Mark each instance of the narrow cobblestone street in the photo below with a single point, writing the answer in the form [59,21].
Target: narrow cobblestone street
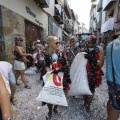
[30,109]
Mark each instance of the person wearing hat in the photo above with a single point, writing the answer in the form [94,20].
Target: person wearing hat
[95,57]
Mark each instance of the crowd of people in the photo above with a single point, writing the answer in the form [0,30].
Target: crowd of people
[57,56]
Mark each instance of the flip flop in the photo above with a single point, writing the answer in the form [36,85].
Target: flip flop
[18,84]
[27,87]
[13,101]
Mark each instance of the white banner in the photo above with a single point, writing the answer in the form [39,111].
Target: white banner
[53,92]
[108,25]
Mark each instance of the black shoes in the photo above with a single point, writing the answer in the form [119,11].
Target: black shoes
[48,117]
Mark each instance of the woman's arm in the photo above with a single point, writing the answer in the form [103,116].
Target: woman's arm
[4,100]
[21,53]
[101,57]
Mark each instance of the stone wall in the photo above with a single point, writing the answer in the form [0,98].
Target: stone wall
[2,46]
[13,25]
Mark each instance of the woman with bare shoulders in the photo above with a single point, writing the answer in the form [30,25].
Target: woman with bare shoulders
[19,65]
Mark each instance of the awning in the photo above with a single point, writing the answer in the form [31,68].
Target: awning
[108,25]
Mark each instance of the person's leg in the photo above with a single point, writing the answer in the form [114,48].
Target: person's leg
[12,82]
[50,107]
[42,69]
[55,109]
[22,73]
[113,109]
[17,74]
[113,115]
[108,107]
[87,102]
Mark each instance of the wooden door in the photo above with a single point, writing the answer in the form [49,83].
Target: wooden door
[32,33]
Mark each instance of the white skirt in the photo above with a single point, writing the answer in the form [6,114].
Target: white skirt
[19,65]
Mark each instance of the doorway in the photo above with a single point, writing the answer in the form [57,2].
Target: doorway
[32,34]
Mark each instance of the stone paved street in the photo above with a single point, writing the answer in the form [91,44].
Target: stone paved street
[30,109]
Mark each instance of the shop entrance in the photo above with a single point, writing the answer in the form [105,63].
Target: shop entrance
[32,33]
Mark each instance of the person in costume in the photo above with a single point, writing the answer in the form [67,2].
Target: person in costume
[95,56]
[56,61]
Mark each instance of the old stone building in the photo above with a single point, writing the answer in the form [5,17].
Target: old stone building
[32,20]
[21,18]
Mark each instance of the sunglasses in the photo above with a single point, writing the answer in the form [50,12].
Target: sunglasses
[89,42]
[57,43]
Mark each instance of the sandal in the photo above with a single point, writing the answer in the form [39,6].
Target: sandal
[49,116]
[18,84]
[27,87]
[55,111]
[13,101]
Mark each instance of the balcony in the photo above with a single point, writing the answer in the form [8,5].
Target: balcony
[67,9]
[99,6]
[67,27]
[58,14]
[108,25]
[43,3]
[107,4]
[58,18]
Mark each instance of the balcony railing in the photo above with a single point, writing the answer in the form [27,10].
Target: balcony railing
[58,18]
[43,3]
[108,25]
[67,9]
[99,6]
[67,27]
[58,14]
[107,4]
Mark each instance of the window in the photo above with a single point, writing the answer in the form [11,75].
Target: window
[119,10]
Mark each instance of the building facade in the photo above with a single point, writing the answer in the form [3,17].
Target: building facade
[107,20]
[21,18]
[32,20]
